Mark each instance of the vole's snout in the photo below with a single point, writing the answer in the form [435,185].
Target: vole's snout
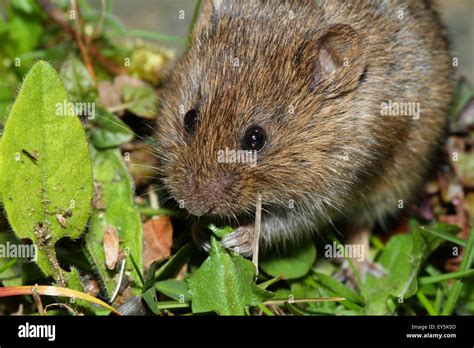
[205,196]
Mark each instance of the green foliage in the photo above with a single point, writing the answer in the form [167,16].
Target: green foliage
[49,174]
[114,207]
[109,130]
[21,33]
[225,284]
[142,101]
[77,81]
[293,264]
[46,179]
[401,259]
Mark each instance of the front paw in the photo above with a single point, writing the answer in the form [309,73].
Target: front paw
[347,275]
[241,240]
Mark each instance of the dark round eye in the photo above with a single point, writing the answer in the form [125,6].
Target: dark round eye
[254,139]
[190,121]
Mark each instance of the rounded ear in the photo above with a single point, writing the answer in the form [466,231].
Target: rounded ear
[210,12]
[335,59]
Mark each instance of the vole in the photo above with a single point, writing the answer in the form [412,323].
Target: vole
[344,104]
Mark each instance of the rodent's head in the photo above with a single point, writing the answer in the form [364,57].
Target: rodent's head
[257,80]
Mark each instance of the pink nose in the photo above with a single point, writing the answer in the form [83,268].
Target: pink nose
[208,194]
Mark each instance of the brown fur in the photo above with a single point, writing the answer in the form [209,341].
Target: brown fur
[335,155]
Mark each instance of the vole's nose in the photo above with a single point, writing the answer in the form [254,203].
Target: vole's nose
[206,195]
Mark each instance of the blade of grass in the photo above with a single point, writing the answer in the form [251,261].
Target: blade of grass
[457,286]
[266,310]
[269,282]
[8,264]
[438,299]
[305,300]
[444,236]
[426,303]
[137,269]
[46,290]
[446,276]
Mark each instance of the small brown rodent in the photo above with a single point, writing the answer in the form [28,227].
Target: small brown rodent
[345,102]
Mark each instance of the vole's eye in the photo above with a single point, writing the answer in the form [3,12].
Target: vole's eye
[190,121]
[254,139]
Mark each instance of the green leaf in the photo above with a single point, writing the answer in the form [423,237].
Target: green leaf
[114,191]
[150,299]
[109,130]
[462,95]
[46,179]
[296,263]
[225,284]
[142,101]
[78,82]
[174,265]
[176,289]
[401,259]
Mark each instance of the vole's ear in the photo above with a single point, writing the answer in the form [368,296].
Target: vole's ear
[334,61]
[211,10]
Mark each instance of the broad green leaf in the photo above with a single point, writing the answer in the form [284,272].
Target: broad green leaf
[109,130]
[293,264]
[115,207]
[225,284]
[142,101]
[401,268]
[176,289]
[46,172]
[401,259]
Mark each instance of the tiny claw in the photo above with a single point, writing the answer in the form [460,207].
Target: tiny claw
[240,241]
